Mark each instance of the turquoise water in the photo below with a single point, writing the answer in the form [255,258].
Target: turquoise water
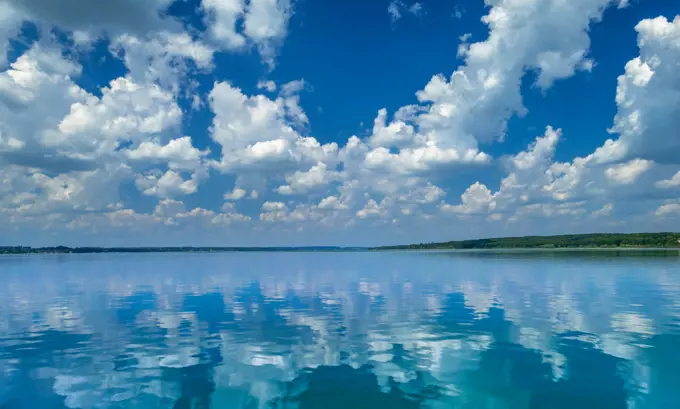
[340,330]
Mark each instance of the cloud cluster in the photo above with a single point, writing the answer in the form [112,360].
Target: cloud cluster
[640,164]
[73,157]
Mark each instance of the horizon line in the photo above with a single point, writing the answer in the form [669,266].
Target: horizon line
[336,247]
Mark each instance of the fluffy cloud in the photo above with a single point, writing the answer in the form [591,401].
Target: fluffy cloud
[303,182]
[66,158]
[178,153]
[256,132]
[236,194]
[163,57]
[622,169]
[332,202]
[168,184]
[126,111]
[552,40]
[627,173]
[234,24]
[476,199]
[374,209]
[648,96]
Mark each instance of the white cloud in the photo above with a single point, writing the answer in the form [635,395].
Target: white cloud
[161,57]
[270,85]
[223,17]
[178,153]
[93,144]
[627,173]
[648,97]
[669,183]
[274,212]
[293,87]
[126,111]
[61,159]
[236,194]
[168,184]
[261,142]
[473,106]
[397,134]
[266,23]
[421,159]
[273,206]
[669,208]
[476,199]
[373,209]
[539,153]
[234,24]
[302,182]
[423,194]
[230,218]
[332,202]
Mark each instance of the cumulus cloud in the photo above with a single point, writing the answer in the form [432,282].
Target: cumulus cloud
[627,173]
[647,97]
[178,153]
[477,198]
[332,202]
[168,184]
[234,24]
[626,168]
[303,182]
[236,194]
[256,132]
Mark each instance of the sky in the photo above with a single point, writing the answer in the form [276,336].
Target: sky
[309,122]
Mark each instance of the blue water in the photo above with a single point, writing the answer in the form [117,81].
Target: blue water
[340,330]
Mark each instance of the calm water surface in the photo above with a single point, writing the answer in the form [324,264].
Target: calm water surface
[340,330]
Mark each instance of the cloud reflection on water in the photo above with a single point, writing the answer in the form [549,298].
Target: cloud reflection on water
[388,329]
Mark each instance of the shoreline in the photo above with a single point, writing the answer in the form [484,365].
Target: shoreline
[594,241]
[498,250]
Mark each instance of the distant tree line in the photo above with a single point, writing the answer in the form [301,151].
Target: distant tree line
[598,240]
[76,250]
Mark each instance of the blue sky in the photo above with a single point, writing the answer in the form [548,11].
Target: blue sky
[277,122]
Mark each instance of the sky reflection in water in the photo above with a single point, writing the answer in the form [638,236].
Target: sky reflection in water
[339,330]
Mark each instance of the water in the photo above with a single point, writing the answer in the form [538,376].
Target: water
[340,330]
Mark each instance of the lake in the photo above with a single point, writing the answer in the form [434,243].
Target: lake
[341,330]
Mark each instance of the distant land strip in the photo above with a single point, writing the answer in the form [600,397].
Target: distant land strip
[183,249]
[596,240]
